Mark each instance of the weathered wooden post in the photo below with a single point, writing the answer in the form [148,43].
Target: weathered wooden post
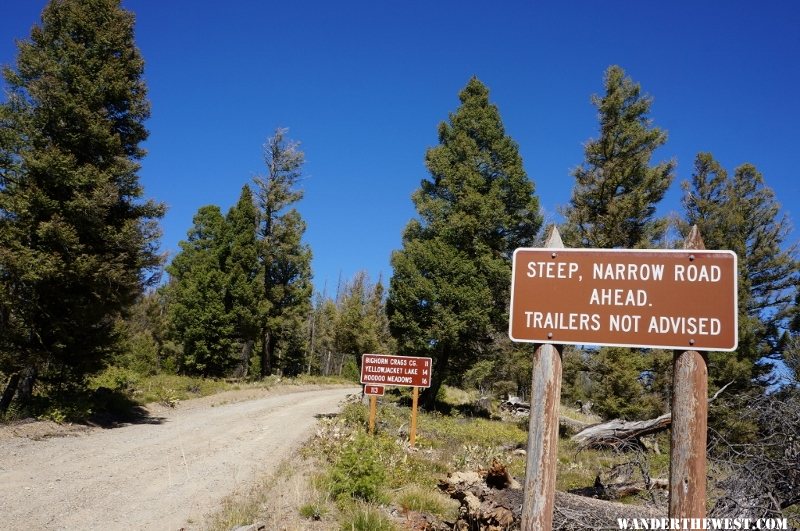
[412,436]
[687,473]
[373,408]
[540,469]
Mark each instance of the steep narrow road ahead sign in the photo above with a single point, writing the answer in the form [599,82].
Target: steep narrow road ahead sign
[644,298]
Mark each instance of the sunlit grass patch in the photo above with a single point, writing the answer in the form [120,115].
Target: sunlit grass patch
[429,501]
[365,517]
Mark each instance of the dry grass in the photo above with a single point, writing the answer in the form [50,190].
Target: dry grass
[574,414]
[286,500]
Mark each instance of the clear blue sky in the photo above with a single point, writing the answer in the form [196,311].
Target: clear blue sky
[363,85]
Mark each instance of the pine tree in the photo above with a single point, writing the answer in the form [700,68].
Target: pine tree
[322,336]
[613,205]
[362,326]
[77,242]
[616,192]
[789,346]
[285,259]
[145,349]
[200,321]
[449,290]
[243,297]
[378,321]
[741,214]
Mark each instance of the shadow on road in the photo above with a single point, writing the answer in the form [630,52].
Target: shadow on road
[114,409]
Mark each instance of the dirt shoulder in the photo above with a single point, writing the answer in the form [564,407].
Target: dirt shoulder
[165,472]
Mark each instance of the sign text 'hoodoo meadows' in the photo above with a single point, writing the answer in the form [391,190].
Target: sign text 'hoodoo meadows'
[644,298]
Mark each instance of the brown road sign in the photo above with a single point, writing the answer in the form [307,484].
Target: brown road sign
[644,298]
[404,371]
[376,390]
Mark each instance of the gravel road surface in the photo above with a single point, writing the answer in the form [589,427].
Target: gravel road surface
[166,473]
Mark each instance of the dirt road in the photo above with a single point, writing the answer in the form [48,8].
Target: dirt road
[165,474]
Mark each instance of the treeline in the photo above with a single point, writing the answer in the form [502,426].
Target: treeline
[327,341]
[244,279]
[238,302]
[79,264]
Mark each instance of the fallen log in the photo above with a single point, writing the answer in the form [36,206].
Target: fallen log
[567,426]
[492,500]
[629,488]
[619,433]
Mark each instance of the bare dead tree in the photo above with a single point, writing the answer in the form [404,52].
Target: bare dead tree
[760,478]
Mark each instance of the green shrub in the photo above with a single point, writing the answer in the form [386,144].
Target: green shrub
[504,388]
[116,378]
[350,370]
[358,471]
[479,374]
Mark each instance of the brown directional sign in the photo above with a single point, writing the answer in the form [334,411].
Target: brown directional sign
[643,298]
[376,390]
[404,371]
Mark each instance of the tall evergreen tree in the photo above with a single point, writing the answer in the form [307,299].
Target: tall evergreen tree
[199,318]
[244,293]
[449,290]
[790,341]
[613,205]
[285,259]
[616,192]
[77,242]
[375,314]
[740,213]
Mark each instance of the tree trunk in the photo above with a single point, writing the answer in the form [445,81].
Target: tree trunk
[26,386]
[244,363]
[493,500]
[10,391]
[267,349]
[438,374]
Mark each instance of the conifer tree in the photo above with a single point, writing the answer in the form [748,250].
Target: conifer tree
[614,200]
[199,318]
[362,326]
[243,298]
[285,259]
[613,206]
[322,336]
[450,286]
[740,213]
[77,242]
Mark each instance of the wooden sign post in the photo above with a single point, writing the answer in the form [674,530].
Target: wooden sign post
[412,435]
[684,300]
[373,391]
[689,435]
[542,453]
[378,370]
